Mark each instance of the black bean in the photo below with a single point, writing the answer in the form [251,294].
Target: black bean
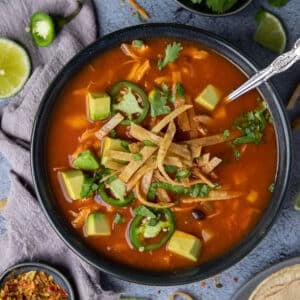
[198,214]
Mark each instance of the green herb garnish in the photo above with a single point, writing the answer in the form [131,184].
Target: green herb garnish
[113,133]
[149,143]
[125,145]
[278,3]
[171,169]
[137,156]
[118,219]
[144,211]
[158,100]
[271,187]
[220,6]
[171,54]
[252,125]
[183,173]
[226,134]
[138,43]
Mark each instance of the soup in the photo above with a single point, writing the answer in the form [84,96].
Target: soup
[150,165]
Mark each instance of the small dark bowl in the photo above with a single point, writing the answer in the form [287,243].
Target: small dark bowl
[58,277]
[202,9]
[47,197]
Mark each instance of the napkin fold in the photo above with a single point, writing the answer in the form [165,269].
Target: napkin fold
[28,235]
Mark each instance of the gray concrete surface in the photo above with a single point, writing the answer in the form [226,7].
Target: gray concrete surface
[284,238]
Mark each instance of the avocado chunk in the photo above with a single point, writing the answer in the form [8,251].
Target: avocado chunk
[98,106]
[185,244]
[110,144]
[209,97]
[87,161]
[97,223]
[73,181]
[118,188]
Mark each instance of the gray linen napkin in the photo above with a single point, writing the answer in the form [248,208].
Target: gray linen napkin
[28,235]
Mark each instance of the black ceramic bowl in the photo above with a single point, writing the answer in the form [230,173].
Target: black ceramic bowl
[46,196]
[202,9]
[58,277]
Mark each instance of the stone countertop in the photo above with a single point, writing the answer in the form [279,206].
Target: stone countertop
[283,240]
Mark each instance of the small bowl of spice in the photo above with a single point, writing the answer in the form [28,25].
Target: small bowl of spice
[214,8]
[34,281]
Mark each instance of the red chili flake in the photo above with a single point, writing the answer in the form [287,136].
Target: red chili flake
[203,283]
[235,279]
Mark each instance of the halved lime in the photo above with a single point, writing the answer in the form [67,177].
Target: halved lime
[270,32]
[297,204]
[14,67]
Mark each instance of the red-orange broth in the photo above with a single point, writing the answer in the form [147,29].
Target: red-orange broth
[226,222]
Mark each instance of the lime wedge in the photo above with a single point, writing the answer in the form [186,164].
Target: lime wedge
[270,32]
[14,67]
[297,204]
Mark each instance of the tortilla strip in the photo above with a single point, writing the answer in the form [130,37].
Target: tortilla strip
[173,161]
[183,118]
[163,149]
[127,50]
[119,155]
[143,134]
[214,196]
[110,164]
[144,201]
[146,181]
[134,165]
[139,174]
[163,196]
[109,126]
[211,165]
[170,117]
[197,173]
[142,70]
[139,9]
[212,139]
[196,151]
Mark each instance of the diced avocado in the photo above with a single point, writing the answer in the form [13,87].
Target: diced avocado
[110,144]
[86,160]
[73,181]
[209,97]
[97,223]
[99,106]
[185,244]
[118,188]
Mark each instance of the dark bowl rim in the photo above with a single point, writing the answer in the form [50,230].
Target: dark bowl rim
[231,257]
[214,15]
[40,267]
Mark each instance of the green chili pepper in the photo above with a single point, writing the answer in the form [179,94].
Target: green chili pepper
[136,237]
[43,27]
[127,103]
[114,201]
[166,186]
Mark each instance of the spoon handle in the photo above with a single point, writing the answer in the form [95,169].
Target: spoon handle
[280,64]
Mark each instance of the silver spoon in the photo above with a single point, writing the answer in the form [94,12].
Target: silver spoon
[280,64]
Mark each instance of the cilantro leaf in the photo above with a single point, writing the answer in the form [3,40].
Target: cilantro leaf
[278,3]
[252,125]
[220,6]
[144,212]
[226,134]
[171,54]
[182,173]
[129,104]
[137,156]
[271,187]
[158,101]
[138,43]
[149,143]
[179,90]
[171,169]
[118,219]
[87,187]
